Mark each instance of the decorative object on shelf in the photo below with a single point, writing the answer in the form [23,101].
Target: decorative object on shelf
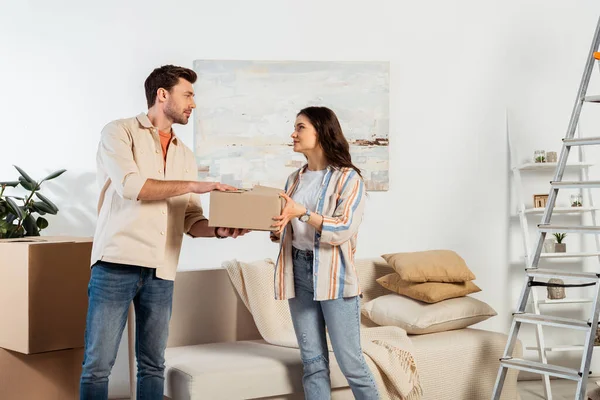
[549,245]
[559,246]
[576,200]
[551,156]
[556,293]
[540,200]
[539,156]
[597,338]
[17,221]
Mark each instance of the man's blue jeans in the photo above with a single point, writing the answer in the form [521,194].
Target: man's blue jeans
[111,290]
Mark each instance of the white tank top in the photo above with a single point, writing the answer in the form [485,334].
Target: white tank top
[306,194]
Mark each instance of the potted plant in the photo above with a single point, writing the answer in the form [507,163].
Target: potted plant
[16,220]
[559,246]
[539,156]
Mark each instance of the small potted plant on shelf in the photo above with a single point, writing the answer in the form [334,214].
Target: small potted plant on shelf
[576,200]
[539,156]
[559,246]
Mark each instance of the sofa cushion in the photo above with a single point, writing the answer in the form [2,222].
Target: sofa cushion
[418,318]
[237,370]
[428,292]
[430,266]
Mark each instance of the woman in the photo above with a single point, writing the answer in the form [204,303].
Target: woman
[315,269]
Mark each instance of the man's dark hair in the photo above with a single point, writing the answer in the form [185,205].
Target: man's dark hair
[166,77]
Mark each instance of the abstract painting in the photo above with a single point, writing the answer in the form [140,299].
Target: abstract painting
[246,111]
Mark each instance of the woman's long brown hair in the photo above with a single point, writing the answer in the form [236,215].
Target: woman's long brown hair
[330,136]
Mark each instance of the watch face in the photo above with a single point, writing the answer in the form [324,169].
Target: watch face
[304,218]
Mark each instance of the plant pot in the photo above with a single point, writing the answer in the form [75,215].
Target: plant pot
[560,247]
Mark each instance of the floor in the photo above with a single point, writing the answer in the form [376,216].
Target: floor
[561,389]
[533,390]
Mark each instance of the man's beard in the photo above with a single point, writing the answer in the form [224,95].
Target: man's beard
[177,118]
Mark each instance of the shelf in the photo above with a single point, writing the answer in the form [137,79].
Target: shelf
[563,256]
[570,255]
[551,166]
[561,348]
[561,210]
[566,301]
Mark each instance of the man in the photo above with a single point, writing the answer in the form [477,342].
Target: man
[149,199]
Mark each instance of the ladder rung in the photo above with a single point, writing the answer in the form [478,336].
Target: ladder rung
[569,229]
[575,184]
[551,320]
[582,141]
[592,99]
[540,368]
[550,273]
[577,347]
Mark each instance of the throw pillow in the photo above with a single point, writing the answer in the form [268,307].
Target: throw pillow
[419,318]
[430,266]
[428,292]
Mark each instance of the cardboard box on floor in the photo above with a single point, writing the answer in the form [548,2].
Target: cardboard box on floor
[45,376]
[247,209]
[43,293]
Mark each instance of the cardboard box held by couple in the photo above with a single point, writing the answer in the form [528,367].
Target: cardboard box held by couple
[252,209]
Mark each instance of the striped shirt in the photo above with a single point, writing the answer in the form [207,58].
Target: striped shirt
[341,203]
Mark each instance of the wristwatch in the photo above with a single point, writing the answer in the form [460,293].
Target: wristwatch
[305,217]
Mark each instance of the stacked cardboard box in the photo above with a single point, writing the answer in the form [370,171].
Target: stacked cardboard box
[43,305]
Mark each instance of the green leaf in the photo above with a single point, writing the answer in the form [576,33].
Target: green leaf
[16,197]
[27,185]
[10,183]
[16,232]
[30,225]
[10,218]
[14,208]
[24,175]
[47,201]
[54,175]
[42,223]
[32,207]
[38,205]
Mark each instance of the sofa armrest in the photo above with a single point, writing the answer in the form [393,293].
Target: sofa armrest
[207,309]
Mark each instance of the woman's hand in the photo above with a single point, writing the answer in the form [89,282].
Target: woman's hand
[291,210]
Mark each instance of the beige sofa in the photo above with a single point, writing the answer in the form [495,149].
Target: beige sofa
[215,351]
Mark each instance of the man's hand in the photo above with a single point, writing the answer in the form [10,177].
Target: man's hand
[207,187]
[231,232]
[159,190]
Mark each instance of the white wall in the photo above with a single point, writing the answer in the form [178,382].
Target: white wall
[69,67]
